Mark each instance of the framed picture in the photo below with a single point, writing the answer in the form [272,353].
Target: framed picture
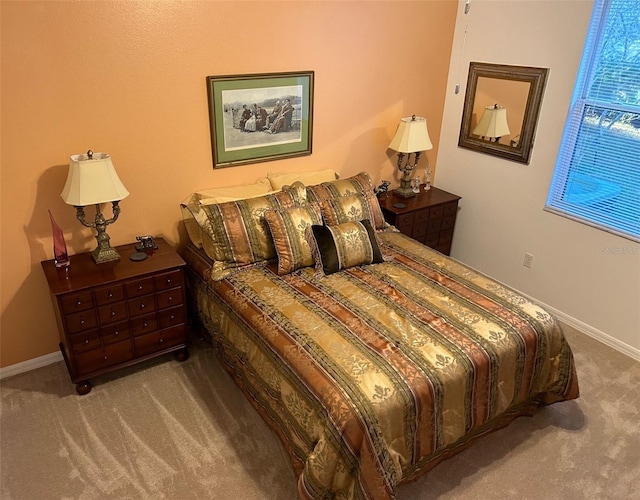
[260,117]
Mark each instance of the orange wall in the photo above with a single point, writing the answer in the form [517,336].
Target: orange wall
[128,78]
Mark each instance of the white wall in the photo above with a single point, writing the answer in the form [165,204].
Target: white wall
[590,278]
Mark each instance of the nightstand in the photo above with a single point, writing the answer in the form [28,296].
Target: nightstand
[118,313]
[428,217]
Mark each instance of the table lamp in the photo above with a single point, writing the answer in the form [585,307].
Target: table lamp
[411,137]
[493,123]
[92,180]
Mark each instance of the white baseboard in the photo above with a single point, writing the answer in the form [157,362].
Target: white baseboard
[30,364]
[592,332]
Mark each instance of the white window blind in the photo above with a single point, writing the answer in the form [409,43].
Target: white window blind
[597,174]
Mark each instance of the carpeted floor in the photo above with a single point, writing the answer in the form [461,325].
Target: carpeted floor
[170,430]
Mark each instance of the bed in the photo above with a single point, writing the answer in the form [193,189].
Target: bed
[372,356]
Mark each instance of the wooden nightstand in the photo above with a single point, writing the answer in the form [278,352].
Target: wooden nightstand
[119,313]
[428,217]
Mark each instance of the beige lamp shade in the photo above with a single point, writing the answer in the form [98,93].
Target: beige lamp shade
[493,123]
[92,179]
[411,136]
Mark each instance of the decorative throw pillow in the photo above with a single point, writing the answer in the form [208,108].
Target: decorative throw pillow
[343,246]
[279,180]
[353,207]
[358,184]
[238,231]
[288,229]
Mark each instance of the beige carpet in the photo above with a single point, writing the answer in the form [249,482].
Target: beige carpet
[170,430]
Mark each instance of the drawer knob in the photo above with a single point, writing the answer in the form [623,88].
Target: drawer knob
[116,333]
[145,324]
[78,302]
[105,358]
[172,317]
[81,321]
[86,341]
[168,281]
[141,306]
[161,341]
[170,298]
[113,313]
[139,287]
[110,294]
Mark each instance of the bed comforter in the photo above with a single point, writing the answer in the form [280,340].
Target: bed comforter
[373,375]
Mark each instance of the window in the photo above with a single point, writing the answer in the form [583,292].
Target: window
[597,174]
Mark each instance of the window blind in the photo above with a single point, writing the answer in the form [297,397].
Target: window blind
[597,174]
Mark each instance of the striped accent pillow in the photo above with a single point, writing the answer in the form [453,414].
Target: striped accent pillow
[288,228]
[238,231]
[350,208]
[358,184]
[343,246]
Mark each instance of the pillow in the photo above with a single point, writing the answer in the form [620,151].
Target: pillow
[237,231]
[231,193]
[288,229]
[278,180]
[196,219]
[358,184]
[343,246]
[353,207]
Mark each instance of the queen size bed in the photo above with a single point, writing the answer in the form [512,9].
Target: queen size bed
[372,356]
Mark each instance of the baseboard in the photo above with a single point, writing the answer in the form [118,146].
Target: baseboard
[592,332]
[30,364]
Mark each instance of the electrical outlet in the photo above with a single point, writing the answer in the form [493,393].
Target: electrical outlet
[528,260]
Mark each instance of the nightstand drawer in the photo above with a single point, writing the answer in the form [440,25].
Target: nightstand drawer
[142,305]
[170,298]
[102,358]
[421,217]
[115,333]
[436,212]
[163,339]
[112,313]
[86,341]
[171,317]
[140,287]
[434,226]
[144,324]
[76,302]
[81,321]
[448,222]
[168,280]
[451,209]
[404,221]
[109,294]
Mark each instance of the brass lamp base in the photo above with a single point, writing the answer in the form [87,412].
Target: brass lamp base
[404,191]
[105,254]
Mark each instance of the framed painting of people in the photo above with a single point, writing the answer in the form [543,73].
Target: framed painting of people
[260,117]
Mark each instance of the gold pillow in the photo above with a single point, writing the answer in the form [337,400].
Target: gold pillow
[358,184]
[343,246]
[288,228]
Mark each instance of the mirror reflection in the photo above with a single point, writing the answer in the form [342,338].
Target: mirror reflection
[501,109]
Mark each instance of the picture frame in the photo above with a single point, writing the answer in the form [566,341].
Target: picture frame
[517,88]
[260,117]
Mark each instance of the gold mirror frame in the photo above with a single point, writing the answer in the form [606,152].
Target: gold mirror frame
[518,148]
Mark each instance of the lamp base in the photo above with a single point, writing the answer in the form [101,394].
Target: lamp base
[404,192]
[104,254]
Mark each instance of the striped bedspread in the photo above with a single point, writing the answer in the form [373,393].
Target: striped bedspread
[373,375]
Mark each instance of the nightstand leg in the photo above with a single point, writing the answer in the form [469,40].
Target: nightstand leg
[83,387]
[182,354]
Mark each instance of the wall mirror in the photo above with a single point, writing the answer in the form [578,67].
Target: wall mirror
[501,109]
